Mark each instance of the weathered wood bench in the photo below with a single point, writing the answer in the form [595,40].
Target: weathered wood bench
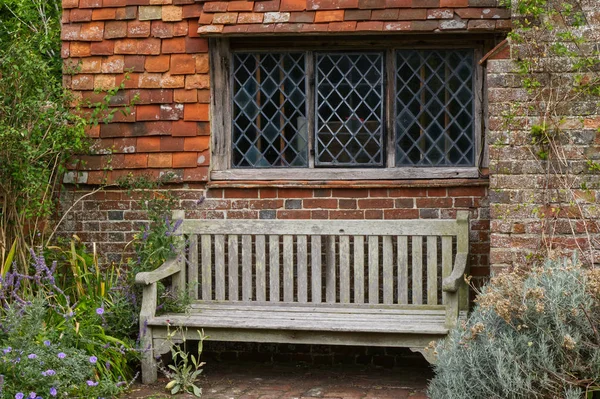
[352,282]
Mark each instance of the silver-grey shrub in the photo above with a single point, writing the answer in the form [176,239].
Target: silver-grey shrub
[533,334]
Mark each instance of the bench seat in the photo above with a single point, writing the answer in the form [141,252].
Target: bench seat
[391,320]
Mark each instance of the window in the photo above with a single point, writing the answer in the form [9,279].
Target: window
[348,113]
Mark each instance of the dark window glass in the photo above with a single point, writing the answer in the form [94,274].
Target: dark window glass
[269,110]
[434,108]
[349,104]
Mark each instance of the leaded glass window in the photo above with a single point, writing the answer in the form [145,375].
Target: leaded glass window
[391,108]
[269,110]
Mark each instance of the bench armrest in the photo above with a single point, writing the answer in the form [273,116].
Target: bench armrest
[167,269]
[452,282]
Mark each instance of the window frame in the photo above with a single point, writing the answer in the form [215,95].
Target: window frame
[221,50]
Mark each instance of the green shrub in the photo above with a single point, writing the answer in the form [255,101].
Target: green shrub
[532,334]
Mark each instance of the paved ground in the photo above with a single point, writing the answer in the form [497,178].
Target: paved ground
[269,381]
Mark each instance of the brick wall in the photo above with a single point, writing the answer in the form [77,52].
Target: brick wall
[111,217]
[536,205]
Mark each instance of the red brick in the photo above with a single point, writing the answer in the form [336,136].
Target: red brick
[398,3]
[240,5]
[126,46]
[138,28]
[250,18]
[70,3]
[185,96]
[148,46]
[115,29]
[373,214]
[82,82]
[397,26]
[196,45]
[80,49]
[240,193]
[346,26]
[349,214]
[412,14]
[185,159]
[357,15]
[148,144]
[160,160]
[376,203]
[225,18]
[114,3]
[161,29]
[70,32]
[434,202]
[369,26]
[171,144]
[192,11]
[370,4]
[292,5]
[384,15]
[293,214]
[466,191]
[324,203]
[331,4]
[215,6]
[401,213]
[454,3]
[182,64]
[195,112]
[199,143]
[158,63]
[196,175]
[408,192]
[437,192]
[126,13]
[349,192]
[404,203]
[135,161]
[79,15]
[106,47]
[348,204]
[329,16]
[268,193]
[104,14]
[266,6]
[148,112]
[174,45]
[181,28]
[90,3]
[92,31]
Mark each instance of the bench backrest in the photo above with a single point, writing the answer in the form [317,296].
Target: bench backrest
[322,261]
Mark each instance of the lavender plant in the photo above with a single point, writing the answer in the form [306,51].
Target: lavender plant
[532,334]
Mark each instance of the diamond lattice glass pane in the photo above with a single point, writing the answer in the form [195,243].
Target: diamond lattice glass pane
[269,110]
[349,103]
[434,108]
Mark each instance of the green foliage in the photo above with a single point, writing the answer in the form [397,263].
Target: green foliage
[532,335]
[186,368]
[35,358]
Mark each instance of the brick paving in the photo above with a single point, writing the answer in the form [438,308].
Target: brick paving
[274,381]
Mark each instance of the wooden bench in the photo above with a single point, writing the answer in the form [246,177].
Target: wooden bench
[350,282]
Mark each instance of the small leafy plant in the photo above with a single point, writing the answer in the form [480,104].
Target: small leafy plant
[186,368]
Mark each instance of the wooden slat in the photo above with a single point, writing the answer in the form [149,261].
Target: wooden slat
[301,261]
[346,308]
[373,269]
[274,268]
[220,267]
[402,256]
[359,269]
[233,264]
[206,268]
[388,270]
[288,268]
[261,275]
[193,266]
[344,269]
[417,270]
[315,265]
[246,268]
[446,260]
[432,283]
[330,283]
[313,227]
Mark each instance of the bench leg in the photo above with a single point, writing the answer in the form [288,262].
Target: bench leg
[427,354]
[149,365]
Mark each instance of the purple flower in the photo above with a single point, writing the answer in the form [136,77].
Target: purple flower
[49,372]
[53,391]
[7,350]
[61,355]
[32,356]
[93,359]
[47,343]
[32,395]
[100,311]
[19,395]
[91,383]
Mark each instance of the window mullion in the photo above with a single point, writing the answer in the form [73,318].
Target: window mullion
[310,107]
[390,108]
